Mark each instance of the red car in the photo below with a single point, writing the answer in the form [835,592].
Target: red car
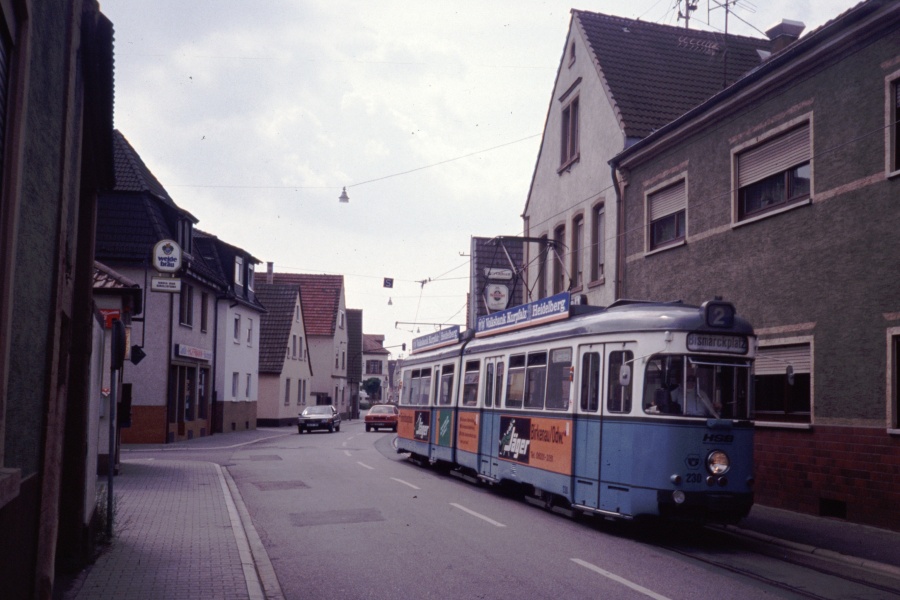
[382,416]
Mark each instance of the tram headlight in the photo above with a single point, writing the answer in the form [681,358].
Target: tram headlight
[678,497]
[717,462]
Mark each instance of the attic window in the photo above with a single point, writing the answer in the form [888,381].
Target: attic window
[572,54]
[238,271]
[569,135]
[185,235]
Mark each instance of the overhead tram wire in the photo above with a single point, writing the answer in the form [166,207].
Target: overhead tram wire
[331,187]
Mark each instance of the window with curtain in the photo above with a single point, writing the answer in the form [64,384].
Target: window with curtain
[774,174]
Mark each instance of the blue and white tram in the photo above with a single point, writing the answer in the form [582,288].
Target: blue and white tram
[638,409]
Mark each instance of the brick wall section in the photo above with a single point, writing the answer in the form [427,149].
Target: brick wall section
[237,415]
[855,466]
[148,426]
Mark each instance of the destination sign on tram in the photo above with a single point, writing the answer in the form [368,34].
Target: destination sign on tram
[444,337]
[534,313]
[706,342]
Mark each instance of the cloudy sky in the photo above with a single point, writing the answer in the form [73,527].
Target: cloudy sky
[255,115]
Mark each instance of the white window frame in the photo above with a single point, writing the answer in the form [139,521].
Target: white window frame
[891,126]
[238,271]
[569,138]
[577,253]
[204,311]
[794,341]
[235,384]
[598,245]
[237,329]
[559,283]
[892,385]
[543,271]
[249,332]
[186,305]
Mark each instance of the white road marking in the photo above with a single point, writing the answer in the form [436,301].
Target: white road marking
[618,579]
[365,465]
[475,514]
[415,487]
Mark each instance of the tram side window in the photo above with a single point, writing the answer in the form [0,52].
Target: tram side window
[498,388]
[488,384]
[407,390]
[618,399]
[536,380]
[590,382]
[470,384]
[424,387]
[446,393]
[559,379]
[515,383]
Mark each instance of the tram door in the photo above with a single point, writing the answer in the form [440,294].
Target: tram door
[489,436]
[434,423]
[588,425]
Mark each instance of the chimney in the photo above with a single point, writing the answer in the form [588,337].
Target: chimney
[270,272]
[781,35]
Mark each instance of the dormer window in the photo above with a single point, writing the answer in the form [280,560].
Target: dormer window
[251,269]
[185,235]
[238,271]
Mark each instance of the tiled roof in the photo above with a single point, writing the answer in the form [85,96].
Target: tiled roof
[374,344]
[820,37]
[217,257]
[137,213]
[206,261]
[655,73]
[275,324]
[128,225]
[320,297]
[108,279]
[132,175]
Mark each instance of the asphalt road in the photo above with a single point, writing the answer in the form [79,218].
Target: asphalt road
[341,515]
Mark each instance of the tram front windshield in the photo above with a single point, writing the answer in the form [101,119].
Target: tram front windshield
[697,386]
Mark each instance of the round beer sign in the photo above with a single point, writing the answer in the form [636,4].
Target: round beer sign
[167,256]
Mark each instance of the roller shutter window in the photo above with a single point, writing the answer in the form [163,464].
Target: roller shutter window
[666,210]
[774,173]
[777,397]
[775,359]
